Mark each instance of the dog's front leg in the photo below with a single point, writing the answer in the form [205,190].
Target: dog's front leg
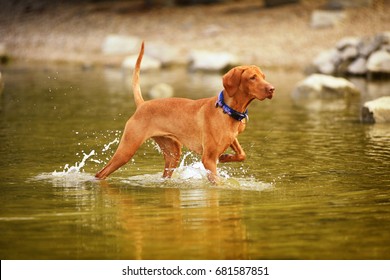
[239,154]
[210,163]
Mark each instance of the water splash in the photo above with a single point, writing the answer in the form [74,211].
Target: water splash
[77,168]
[75,175]
[192,174]
[189,174]
[107,146]
[194,170]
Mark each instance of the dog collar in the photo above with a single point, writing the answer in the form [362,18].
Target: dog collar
[231,112]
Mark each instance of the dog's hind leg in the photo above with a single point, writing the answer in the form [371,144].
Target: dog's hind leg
[171,150]
[129,144]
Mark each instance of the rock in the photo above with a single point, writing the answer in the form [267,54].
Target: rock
[161,90]
[347,42]
[377,111]
[349,53]
[379,62]
[148,63]
[166,54]
[385,48]
[326,62]
[369,45]
[119,45]
[211,61]
[358,66]
[323,86]
[325,18]
[384,38]
[354,56]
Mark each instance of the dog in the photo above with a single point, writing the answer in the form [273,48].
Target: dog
[207,126]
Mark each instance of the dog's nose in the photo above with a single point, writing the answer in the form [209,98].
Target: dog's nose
[270,89]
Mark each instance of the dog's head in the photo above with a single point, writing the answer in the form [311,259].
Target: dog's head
[248,80]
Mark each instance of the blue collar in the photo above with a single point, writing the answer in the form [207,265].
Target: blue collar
[231,112]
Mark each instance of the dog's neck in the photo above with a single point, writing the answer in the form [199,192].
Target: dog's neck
[239,101]
[231,111]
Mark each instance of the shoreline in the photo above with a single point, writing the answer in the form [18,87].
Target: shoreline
[278,37]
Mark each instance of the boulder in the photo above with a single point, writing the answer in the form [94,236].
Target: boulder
[326,18]
[358,66]
[379,62]
[356,56]
[348,42]
[348,53]
[148,63]
[377,111]
[324,87]
[211,61]
[384,37]
[118,45]
[326,62]
[161,90]
[369,45]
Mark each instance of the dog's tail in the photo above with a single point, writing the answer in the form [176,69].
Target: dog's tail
[135,82]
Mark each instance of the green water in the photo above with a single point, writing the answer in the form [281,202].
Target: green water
[315,185]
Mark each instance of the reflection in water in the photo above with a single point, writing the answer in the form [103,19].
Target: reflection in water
[315,183]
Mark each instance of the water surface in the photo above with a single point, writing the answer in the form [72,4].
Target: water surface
[315,184]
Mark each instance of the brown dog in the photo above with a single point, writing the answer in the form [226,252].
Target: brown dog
[206,126]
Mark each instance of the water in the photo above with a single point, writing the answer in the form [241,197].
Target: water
[315,184]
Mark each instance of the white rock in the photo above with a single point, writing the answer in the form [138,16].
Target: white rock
[377,110]
[384,37]
[148,63]
[323,86]
[211,61]
[379,62]
[358,66]
[347,41]
[161,90]
[349,52]
[323,18]
[369,45]
[326,61]
[119,44]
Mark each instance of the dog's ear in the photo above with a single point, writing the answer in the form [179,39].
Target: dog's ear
[231,80]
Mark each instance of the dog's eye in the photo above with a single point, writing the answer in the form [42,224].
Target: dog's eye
[253,77]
